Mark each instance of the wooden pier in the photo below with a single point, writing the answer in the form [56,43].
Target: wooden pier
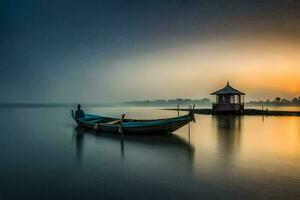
[246,112]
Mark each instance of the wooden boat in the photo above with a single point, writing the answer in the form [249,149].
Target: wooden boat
[116,125]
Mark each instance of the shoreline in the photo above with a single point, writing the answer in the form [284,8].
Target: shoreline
[249,112]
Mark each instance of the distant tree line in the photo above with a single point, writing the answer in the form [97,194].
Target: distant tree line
[278,102]
[206,102]
[170,102]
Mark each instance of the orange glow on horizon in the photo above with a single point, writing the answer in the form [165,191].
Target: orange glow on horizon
[262,68]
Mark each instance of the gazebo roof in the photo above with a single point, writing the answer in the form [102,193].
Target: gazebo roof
[227,90]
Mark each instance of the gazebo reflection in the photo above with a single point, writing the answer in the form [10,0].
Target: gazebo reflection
[228,130]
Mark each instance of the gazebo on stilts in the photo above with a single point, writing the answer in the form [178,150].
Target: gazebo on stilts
[228,101]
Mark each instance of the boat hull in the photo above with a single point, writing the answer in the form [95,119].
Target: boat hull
[167,125]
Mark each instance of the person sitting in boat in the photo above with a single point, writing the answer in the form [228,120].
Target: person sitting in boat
[79,113]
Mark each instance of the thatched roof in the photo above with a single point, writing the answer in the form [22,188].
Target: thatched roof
[227,90]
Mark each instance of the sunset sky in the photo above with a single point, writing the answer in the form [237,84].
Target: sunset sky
[117,50]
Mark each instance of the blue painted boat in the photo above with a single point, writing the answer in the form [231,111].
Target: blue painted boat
[116,125]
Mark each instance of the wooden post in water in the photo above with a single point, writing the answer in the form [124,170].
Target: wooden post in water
[121,131]
[189,126]
[263,113]
[177,108]
[189,135]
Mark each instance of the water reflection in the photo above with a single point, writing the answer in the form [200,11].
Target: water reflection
[122,145]
[79,136]
[153,145]
[228,130]
[235,158]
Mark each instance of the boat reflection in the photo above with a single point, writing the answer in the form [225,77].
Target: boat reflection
[160,146]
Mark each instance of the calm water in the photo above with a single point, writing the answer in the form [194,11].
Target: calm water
[44,157]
